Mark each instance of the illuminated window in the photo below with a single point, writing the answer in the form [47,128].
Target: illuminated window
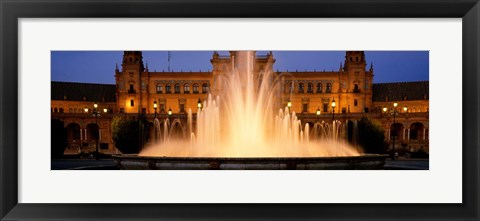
[329,88]
[159,88]
[205,88]
[186,88]
[177,88]
[319,88]
[168,89]
[195,88]
[300,88]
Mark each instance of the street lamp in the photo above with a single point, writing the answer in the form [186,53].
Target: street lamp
[86,110]
[169,112]
[96,113]
[155,108]
[289,105]
[333,110]
[394,112]
[405,109]
[318,112]
[199,104]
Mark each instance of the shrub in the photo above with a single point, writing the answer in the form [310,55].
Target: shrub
[59,138]
[371,136]
[125,135]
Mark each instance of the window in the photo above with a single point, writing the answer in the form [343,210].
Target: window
[310,88]
[344,110]
[69,110]
[355,103]
[204,88]
[122,110]
[195,88]
[144,110]
[162,108]
[182,108]
[61,110]
[177,88]
[131,90]
[292,85]
[55,110]
[355,89]
[159,88]
[319,88]
[132,103]
[305,108]
[329,88]
[325,108]
[186,88]
[300,88]
[168,89]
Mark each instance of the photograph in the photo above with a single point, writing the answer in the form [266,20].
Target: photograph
[240,110]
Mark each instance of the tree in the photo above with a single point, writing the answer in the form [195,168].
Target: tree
[371,136]
[59,138]
[125,135]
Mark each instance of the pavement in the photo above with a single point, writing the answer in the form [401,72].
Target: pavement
[109,164]
[83,164]
[407,164]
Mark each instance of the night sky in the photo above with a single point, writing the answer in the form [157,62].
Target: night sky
[99,66]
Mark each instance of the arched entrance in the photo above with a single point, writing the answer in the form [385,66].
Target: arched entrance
[396,131]
[416,131]
[92,132]
[73,132]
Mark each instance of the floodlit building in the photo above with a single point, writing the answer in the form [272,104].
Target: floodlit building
[344,94]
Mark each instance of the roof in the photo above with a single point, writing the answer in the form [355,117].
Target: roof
[397,91]
[70,91]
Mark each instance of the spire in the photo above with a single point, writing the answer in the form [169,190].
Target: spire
[340,67]
[146,66]
[371,66]
[116,66]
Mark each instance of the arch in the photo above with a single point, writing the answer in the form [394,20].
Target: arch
[92,132]
[159,88]
[73,131]
[319,88]
[309,88]
[204,88]
[55,110]
[396,130]
[186,88]
[301,87]
[195,88]
[177,88]
[416,131]
[168,89]
[329,88]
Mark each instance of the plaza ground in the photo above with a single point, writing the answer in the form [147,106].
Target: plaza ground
[109,164]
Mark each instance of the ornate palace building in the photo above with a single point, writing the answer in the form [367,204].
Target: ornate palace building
[308,93]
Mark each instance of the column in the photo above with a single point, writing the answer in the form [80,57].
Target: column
[408,134]
[388,136]
[424,133]
[403,134]
[99,134]
[81,134]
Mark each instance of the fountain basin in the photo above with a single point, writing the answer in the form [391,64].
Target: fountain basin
[363,162]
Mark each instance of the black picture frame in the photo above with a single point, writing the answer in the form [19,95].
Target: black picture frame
[11,11]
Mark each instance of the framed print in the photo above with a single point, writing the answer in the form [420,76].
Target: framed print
[250,110]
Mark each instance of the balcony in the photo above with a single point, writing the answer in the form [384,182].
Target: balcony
[131,91]
[356,90]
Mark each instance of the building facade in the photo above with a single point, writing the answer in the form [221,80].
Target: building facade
[351,88]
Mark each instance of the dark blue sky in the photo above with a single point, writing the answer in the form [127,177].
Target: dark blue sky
[99,66]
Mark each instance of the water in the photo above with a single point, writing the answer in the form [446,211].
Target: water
[243,119]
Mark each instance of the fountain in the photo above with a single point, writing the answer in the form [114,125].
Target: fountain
[241,126]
